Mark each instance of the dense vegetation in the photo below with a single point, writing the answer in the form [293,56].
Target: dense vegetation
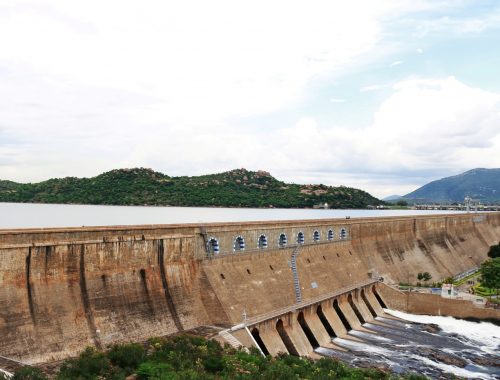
[236,188]
[187,357]
[490,274]
[480,184]
[494,251]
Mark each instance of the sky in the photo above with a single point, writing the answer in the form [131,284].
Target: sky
[380,95]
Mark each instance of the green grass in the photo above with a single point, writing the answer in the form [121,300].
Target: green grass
[463,280]
[483,291]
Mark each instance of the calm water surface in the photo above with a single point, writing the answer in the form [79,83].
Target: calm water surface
[24,215]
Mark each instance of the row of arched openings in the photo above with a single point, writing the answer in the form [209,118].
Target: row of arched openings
[262,243]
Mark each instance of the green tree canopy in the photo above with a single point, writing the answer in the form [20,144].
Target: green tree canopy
[494,251]
[490,274]
[140,186]
[425,276]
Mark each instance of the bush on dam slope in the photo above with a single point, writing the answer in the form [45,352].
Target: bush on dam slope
[188,357]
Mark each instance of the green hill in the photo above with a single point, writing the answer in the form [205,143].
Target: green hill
[139,186]
[480,184]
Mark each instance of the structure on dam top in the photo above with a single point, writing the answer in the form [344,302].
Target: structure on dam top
[282,286]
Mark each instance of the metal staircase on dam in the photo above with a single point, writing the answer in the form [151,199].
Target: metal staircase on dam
[296,283]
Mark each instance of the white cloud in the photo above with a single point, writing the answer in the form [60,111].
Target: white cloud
[458,25]
[420,51]
[223,59]
[396,63]
[87,87]
[374,87]
[439,122]
[103,79]
[425,128]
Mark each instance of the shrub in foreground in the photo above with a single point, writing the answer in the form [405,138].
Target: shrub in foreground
[29,373]
[188,357]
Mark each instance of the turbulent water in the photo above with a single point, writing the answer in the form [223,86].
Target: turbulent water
[21,215]
[438,347]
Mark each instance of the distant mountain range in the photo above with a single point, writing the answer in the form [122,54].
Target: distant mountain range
[391,198]
[139,186]
[479,184]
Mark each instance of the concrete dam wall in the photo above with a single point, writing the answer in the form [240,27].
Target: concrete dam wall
[64,289]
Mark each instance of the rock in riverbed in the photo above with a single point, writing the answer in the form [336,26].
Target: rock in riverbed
[443,357]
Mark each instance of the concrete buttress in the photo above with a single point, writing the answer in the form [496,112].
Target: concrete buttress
[349,314]
[317,329]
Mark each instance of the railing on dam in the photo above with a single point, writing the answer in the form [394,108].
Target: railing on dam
[311,301]
[263,251]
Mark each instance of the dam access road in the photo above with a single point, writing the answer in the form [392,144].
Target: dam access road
[283,286]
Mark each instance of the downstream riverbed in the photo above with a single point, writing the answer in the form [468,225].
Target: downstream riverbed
[26,215]
[438,347]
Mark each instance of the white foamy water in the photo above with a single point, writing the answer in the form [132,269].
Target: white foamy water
[7,374]
[358,346]
[406,346]
[24,215]
[323,351]
[457,371]
[484,335]
[362,334]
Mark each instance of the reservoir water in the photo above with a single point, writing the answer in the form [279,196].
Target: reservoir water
[28,215]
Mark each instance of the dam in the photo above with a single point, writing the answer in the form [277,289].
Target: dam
[282,286]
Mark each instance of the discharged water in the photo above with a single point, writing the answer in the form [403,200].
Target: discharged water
[25,215]
[438,347]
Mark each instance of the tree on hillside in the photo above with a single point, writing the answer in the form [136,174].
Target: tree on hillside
[490,274]
[494,251]
[425,276]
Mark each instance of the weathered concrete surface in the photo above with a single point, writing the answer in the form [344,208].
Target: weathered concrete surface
[243,338]
[362,308]
[433,304]
[297,336]
[317,328]
[374,303]
[349,314]
[271,339]
[63,289]
[57,299]
[334,321]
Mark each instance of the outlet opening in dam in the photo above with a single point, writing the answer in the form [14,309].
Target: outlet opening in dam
[379,299]
[259,341]
[286,339]
[341,315]
[355,309]
[305,327]
[324,321]
[368,305]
